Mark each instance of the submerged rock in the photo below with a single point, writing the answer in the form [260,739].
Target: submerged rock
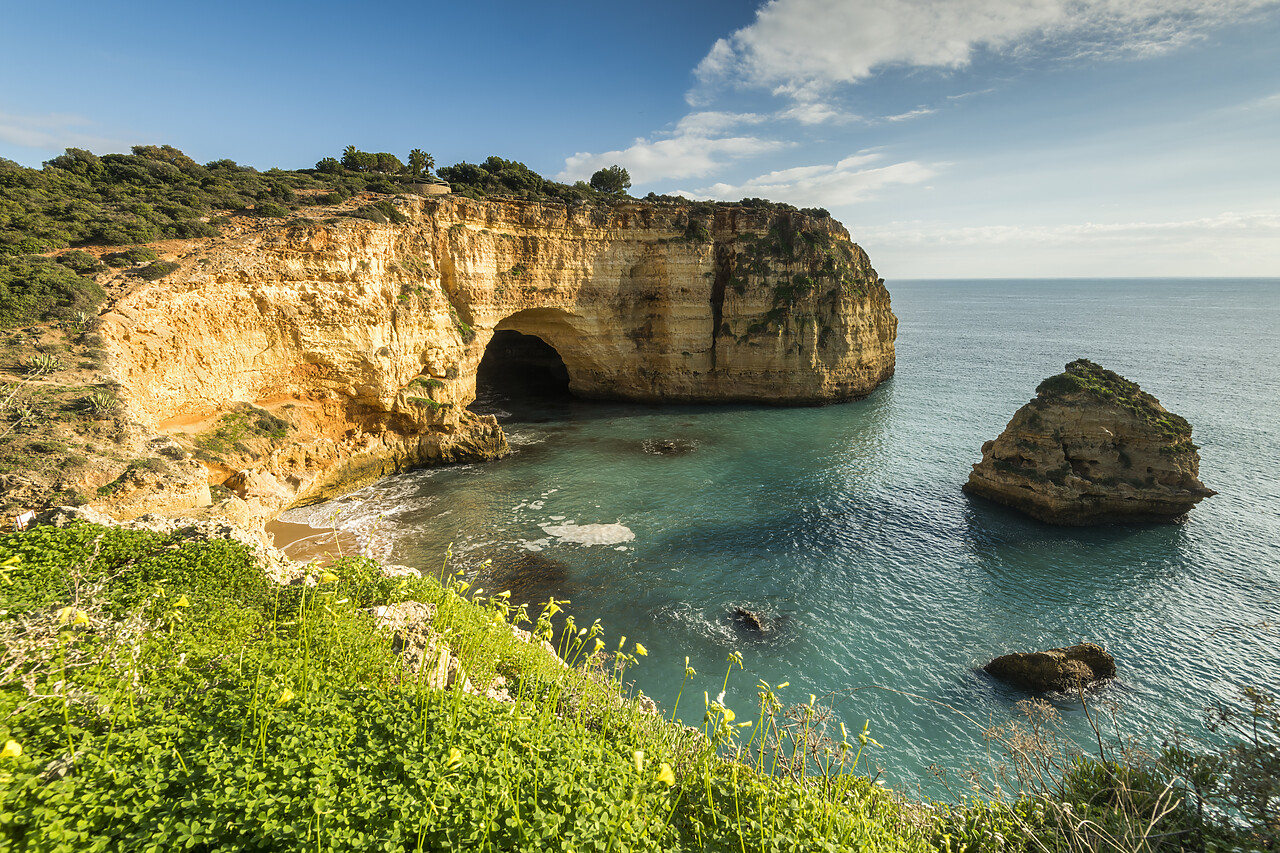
[1055,670]
[751,621]
[668,446]
[1092,448]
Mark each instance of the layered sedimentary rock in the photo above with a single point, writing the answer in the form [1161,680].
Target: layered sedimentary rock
[1057,670]
[364,339]
[1092,448]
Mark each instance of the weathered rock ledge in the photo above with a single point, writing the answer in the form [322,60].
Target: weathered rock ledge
[298,361]
[1092,448]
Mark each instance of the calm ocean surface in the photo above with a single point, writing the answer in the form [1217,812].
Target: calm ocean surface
[847,527]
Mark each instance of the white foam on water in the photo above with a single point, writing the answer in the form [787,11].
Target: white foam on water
[534,544]
[557,517]
[590,534]
[524,438]
[537,505]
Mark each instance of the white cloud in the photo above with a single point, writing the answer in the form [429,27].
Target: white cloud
[910,114]
[694,148]
[687,156]
[1258,224]
[798,47]
[844,183]
[1226,244]
[54,132]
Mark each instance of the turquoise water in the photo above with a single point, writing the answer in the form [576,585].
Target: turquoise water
[846,526]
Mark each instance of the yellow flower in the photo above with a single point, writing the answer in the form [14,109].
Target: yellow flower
[454,759]
[284,697]
[639,757]
[729,716]
[599,645]
[328,577]
[641,650]
[81,618]
[12,749]
[665,775]
[65,615]
[182,602]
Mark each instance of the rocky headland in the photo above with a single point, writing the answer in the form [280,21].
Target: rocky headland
[1091,448]
[288,363]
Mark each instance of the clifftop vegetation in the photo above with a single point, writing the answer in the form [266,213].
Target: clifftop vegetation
[1084,377]
[157,192]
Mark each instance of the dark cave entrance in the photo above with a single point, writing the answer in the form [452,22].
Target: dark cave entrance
[521,367]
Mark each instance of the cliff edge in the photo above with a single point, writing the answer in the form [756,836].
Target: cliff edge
[302,359]
[1092,448]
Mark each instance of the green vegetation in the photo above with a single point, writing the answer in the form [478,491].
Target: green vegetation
[613,180]
[234,429]
[39,290]
[1084,377]
[159,693]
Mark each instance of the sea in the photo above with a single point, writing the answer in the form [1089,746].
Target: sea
[844,529]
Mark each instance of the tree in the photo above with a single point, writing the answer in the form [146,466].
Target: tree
[420,163]
[355,160]
[329,166]
[387,164]
[611,180]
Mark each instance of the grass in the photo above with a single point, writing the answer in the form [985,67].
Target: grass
[162,694]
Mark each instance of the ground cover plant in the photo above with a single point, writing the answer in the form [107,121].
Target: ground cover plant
[162,694]
[159,692]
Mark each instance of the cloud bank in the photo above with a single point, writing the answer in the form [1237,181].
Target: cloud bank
[800,48]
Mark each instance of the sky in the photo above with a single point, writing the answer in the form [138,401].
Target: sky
[954,138]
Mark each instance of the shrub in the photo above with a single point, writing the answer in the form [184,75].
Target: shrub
[156,271]
[34,289]
[130,257]
[276,211]
[81,263]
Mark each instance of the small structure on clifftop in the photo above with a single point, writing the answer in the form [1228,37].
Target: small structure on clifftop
[1092,448]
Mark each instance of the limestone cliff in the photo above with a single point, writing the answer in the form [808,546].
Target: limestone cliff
[356,344]
[1091,448]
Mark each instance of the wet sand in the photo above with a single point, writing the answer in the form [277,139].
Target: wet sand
[304,543]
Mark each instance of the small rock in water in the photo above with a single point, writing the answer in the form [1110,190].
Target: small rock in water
[1056,670]
[668,446]
[751,621]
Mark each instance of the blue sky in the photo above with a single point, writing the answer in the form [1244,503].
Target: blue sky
[965,138]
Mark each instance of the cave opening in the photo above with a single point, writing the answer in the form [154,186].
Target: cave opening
[518,366]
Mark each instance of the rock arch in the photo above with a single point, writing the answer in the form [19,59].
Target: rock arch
[563,333]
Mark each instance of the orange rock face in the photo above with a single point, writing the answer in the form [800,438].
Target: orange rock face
[1092,448]
[366,338]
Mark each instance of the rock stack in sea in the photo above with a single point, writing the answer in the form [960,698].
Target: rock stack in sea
[1092,448]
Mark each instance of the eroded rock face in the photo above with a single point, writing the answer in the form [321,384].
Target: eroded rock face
[365,338]
[1092,448]
[1056,670]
